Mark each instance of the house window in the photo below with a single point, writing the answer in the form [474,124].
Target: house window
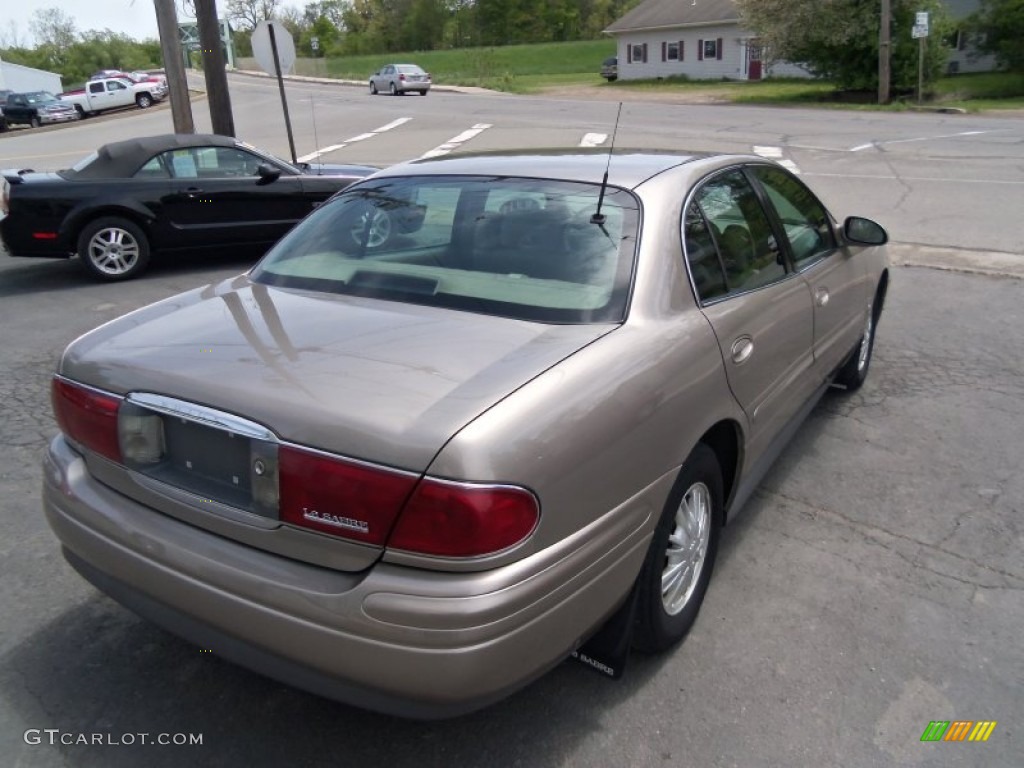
[637,53]
[672,52]
[710,49]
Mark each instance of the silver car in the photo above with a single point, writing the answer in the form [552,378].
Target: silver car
[470,417]
[400,79]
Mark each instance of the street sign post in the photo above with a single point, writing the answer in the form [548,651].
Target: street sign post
[274,49]
[920,33]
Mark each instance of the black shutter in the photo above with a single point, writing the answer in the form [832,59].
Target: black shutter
[700,50]
[719,48]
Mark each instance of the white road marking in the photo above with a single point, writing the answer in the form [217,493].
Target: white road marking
[455,141]
[775,153]
[593,139]
[360,137]
[859,147]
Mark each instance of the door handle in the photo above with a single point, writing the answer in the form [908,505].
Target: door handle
[821,296]
[193,191]
[742,349]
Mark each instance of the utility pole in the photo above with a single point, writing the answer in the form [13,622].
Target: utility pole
[213,68]
[884,52]
[174,67]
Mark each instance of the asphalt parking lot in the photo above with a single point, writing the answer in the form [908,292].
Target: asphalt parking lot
[873,585]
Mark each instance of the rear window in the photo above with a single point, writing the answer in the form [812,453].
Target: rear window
[521,248]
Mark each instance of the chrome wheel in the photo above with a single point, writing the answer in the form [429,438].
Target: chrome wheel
[373,228]
[864,354]
[687,549]
[113,251]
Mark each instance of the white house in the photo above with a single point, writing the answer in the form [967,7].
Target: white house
[702,39]
[15,77]
[706,40]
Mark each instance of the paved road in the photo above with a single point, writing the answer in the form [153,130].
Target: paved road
[874,583]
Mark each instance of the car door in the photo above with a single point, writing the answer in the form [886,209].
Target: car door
[760,310]
[837,280]
[216,197]
[119,94]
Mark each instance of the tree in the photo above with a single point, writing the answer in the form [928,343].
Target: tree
[839,40]
[55,33]
[999,29]
[249,13]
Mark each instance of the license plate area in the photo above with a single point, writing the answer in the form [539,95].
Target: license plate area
[213,455]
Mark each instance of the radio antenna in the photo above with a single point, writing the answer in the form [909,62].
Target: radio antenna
[316,140]
[598,217]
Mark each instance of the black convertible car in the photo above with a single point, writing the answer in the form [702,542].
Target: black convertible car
[159,194]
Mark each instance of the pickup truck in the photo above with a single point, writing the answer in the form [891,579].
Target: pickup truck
[111,93]
[36,108]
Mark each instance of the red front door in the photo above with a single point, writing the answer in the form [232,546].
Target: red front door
[753,60]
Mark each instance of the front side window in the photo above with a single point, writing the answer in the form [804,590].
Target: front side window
[749,256]
[522,248]
[211,162]
[807,224]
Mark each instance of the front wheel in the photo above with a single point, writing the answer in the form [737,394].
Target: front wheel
[144,100]
[373,88]
[113,248]
[854,372]
[34,122]
[676,572]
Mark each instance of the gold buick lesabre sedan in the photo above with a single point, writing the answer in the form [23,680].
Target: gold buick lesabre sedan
[472,416]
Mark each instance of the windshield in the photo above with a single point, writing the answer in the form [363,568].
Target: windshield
[40,97]
[522,248]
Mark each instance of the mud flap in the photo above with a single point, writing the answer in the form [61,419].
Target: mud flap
[607,650]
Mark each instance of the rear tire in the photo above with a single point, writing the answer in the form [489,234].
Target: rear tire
[676,572]
[423,93]
[113,248]
[394,90]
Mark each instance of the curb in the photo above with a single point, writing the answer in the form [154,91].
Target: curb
[993,263]
[361,83]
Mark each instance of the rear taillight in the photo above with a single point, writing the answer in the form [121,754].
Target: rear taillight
[339,497]
[88,417]
[464,520]
[364,503]
[401,77]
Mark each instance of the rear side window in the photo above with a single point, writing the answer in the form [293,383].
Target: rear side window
[726,212]
[522,248]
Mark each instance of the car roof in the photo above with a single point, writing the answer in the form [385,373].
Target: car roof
[123,158]
[627,168]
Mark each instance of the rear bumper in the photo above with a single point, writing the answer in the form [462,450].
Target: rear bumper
[392,639]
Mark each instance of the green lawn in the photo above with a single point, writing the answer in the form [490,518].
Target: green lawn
[534,68]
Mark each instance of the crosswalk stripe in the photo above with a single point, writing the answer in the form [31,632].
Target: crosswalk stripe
[455,141]
[361,137]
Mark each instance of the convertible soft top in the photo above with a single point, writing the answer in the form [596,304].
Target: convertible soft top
[121,159]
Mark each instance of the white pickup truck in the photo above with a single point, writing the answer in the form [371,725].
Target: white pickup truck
[113,92]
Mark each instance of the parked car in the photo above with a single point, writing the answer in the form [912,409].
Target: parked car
[467,414]
[399,79]
[168,193]
[3,100]
[610,69]
[135,77]
[113,93]
[36,109]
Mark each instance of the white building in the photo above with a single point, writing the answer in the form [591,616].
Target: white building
[15,77]
[706,40]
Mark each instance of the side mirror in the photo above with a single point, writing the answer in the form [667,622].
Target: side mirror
[267,173]
[864,231]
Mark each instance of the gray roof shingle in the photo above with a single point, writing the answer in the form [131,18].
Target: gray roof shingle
[656,14]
